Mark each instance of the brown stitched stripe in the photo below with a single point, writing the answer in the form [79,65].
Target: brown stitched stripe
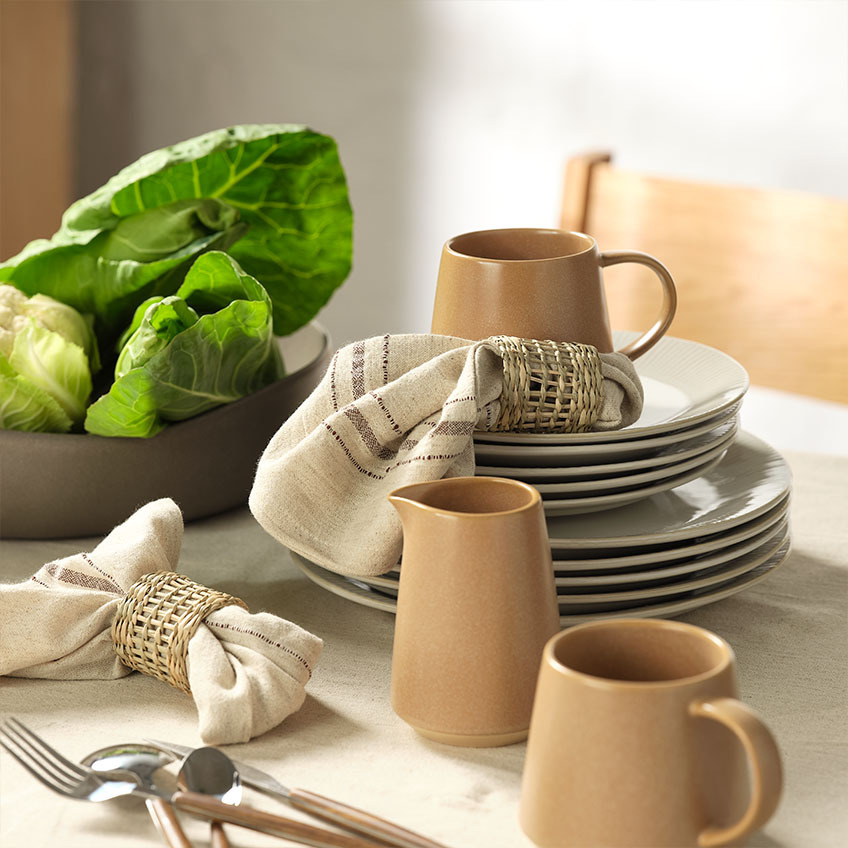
[428,458]
[77,578]
[39,582]
[386,359]
[264,638]
[357,370]
[408,444]
[350,456]
[460,400]
[382,405]
[107,576]
[333,397]
[367,434]
[453,428]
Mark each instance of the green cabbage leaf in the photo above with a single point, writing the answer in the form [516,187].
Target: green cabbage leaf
[273,196]
[211,343]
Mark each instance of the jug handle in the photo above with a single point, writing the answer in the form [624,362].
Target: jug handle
[669,305]
[764,761]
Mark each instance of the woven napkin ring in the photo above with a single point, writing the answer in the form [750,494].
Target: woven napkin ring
[548,387]
[156,620]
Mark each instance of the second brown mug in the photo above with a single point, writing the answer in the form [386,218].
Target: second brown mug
[638,739]
[537,284]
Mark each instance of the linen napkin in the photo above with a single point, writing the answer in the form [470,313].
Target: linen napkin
[391,410]
[246,672]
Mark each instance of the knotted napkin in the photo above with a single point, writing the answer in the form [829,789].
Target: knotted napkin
[394,410]
[245,672]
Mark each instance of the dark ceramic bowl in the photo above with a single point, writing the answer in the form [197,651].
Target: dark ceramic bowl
[57,486]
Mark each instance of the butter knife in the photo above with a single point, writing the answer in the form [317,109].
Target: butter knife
[343,815]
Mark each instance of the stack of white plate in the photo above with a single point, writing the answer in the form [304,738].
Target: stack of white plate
[692,399]
[672,552]
[684,512]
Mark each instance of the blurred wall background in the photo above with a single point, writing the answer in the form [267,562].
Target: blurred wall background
[454,115]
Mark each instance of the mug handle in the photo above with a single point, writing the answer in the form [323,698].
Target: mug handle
[764,760]
[647,340]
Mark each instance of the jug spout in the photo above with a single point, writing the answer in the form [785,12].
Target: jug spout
[410,499]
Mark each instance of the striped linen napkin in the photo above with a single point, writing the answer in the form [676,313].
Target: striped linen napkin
[391,410]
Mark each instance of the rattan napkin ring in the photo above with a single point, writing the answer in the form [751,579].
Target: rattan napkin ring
[156,620]
[548,387]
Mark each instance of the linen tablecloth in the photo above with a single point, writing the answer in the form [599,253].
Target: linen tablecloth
[790,633]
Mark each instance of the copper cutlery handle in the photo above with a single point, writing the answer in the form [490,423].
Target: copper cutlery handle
[286,828]
[167,823]
[217,837]
[358,820]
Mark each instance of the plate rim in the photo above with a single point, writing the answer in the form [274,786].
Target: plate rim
[633,431]
[366,597]
[707,528]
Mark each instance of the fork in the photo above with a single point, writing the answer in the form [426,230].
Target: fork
[67,778]
[77,781]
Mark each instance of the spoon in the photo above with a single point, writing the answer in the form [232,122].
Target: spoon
[211,772]
[145,762]
[152,782]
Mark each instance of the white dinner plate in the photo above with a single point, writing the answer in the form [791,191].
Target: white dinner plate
[550,455]
[684,381]
[598,503]
[624,482]
[361,593]
[645,575]
[596,560]
[750,479]
[677,452]
[617,597]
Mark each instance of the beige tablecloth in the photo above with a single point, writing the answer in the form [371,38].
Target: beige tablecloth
[790,633]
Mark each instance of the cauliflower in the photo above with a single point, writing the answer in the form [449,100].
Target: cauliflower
[46,351]
[16,308]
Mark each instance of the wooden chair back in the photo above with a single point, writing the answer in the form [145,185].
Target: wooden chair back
[761,274]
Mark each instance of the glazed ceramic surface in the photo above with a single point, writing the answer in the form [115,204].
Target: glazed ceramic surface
[577,505]
[636,480]
[677,452]
[476,603]
[750,479]
[598,560]
[635,741]
[357,590]
[685,382]
[62,485]
[548,456]
[536,284]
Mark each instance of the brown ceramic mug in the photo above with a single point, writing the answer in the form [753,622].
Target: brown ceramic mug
[536,284]
[476,605]
[638,739]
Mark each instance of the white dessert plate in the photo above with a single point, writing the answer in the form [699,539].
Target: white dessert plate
[582,561]
[550,455]
[677,452]
[598,503]
[623,482]
[684,381]
[354,590]
[750,479]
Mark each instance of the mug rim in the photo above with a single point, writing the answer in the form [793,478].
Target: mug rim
[450,249]
[552,661]
[534,499]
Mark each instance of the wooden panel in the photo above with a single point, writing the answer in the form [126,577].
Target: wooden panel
[37,90]
[761,275]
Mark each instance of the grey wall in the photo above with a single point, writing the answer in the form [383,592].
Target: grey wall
[458,115]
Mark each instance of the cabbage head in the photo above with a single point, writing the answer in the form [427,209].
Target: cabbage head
[46,354]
